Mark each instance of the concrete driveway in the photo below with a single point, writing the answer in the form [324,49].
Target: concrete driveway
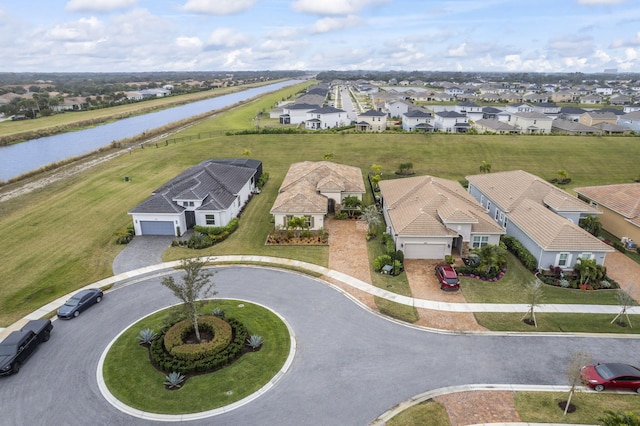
[351,365]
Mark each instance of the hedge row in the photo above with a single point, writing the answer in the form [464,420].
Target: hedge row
[525,256]
[166,362]
[175,336]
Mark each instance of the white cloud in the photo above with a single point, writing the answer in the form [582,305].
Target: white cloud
[83,29]
[98,5]
[333,7]
[227,38]
[458,52]
[218,7]
[326,25]
[188,43]
[570,45]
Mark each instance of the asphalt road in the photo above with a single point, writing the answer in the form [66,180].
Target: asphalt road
[350,367]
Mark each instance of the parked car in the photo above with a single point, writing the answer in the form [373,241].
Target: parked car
[611,376]
[79,302]
[19,345]
[447,277]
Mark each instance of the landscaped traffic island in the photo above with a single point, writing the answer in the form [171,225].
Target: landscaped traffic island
[133,375]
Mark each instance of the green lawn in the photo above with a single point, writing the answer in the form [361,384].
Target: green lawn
[132,379]
[60,238]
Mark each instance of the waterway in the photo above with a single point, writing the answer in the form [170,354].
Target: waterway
[33,154]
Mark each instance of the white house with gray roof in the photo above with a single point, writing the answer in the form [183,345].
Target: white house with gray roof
[451,122]
[541,216]
[417,120]
[211,193]
[326,118]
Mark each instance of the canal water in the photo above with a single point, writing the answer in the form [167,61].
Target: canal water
[33,154]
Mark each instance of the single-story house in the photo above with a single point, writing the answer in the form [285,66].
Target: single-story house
[591,118]
[430,218]
[541,216]
[491,125]
[208,194]
[631,121]
[620,205]
[314,189]
[560,125]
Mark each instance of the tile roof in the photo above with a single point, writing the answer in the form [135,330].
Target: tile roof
[622,198]
[508,189]
[299,192]
[424,205]
[552,232]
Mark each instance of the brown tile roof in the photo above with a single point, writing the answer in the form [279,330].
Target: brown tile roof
[423,205]
[622,198]
[508,189]
[553,232]
[299,192]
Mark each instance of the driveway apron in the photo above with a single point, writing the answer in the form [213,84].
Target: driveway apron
[143,250]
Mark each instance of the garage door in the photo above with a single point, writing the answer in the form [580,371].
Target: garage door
[156,228]
[424,251]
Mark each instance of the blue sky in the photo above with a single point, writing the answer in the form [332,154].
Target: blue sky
[437,35]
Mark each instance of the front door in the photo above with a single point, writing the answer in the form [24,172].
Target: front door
[332,205]
[190,217]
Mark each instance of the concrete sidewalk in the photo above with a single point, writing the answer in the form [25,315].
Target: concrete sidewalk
[160,269]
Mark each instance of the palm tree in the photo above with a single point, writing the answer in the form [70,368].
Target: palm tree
[371,217]
[591,224]
[485,167]
[492,258]
[588,269]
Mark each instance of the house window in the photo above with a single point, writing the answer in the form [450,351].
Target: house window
[504,222]
[563,259]
[191,204]
[488,205]
[586,255]
[308,220]
[210,219]
[480,241]
[497,215]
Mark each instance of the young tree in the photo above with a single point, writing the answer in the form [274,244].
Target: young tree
[624,301]
[405,168]
[576,362]
[196,284]
[327,156]
[492,258]
[534,293]
[371,217]
[485,167]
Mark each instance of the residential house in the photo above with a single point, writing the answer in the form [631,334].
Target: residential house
[442,97]
[592,118]
[208,194]
[470,109]
[541,216]
[492,125]
[631,121]
[631,108]
[371,121]
[619,100]
[519,107]
[620,205]
[562,96]
[569,127]
[396,108]
[604,90]
[430,218]
[314,189]
[547,108]
[417,120]
[490,112]
[571,113]
[326,118]
[511,97]
[531,122]
[591,99]
[451,122]
[490,97]
[536,97]
[297,113]
[454,91]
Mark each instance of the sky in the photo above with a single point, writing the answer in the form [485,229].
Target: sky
[425,35]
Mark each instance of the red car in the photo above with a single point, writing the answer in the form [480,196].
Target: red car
[447,277]
[611,376]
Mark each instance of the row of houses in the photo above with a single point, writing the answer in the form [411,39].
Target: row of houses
[428,217]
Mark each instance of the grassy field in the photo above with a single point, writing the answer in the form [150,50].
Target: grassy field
[134,381]
[60,238]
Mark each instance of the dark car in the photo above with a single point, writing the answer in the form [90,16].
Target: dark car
[79,302]
[19,345]
[447,277]
[611,376]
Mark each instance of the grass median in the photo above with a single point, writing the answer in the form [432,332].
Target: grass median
[132,379]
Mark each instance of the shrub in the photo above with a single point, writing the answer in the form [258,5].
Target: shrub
[449,259]
[341,216]
[173,380]
[564,283]
[218,312]
[605,284]
[619,246]
[174,338]
[146,336]
[254,341]
[380,261]
[516,247]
